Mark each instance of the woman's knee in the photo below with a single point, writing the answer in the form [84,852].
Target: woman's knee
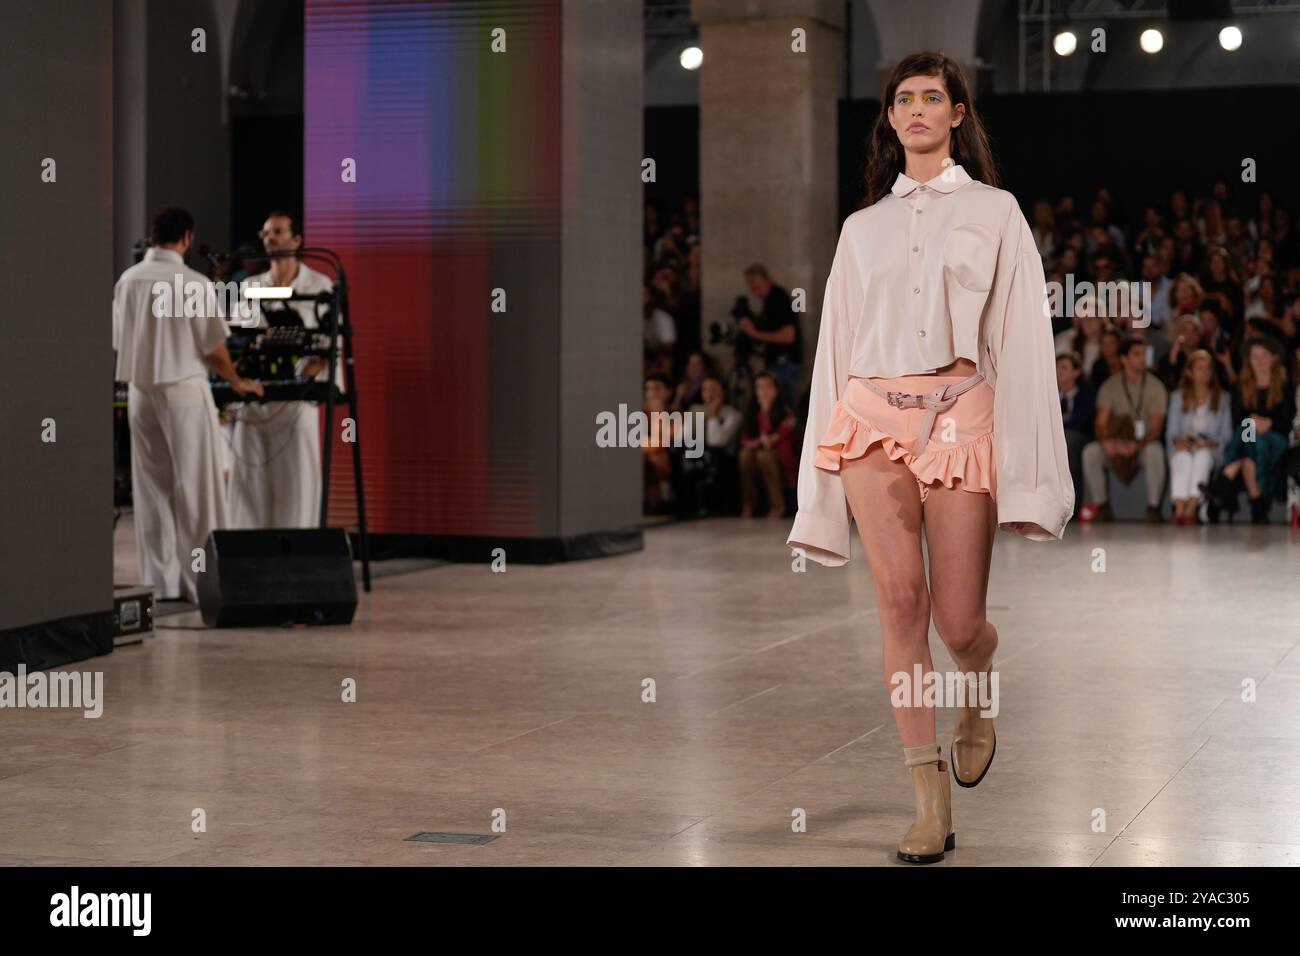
[960,632]
[904,600]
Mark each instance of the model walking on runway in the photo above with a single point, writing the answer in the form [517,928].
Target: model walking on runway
[934,407]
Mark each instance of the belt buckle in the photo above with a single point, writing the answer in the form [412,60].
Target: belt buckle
[895,399]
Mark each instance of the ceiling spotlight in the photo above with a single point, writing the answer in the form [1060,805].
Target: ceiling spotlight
[1230,38]
[691,58]
[1065,43]
[1151,41]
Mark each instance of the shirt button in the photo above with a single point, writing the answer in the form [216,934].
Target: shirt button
[922,189]
[919,211]
[921,333]
[916,291]
[914,248]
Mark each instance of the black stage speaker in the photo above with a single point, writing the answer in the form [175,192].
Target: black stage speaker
[277,576]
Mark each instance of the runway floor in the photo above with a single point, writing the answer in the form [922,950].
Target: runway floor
[518,696]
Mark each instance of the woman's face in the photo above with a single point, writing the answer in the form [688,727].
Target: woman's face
[1183,291]
[710,391]
[1267,291]
[1209,325]
[1098,211]
[1201,371]
[1219,268]
[1189,333]
[1261,360]
[765,391]
[656,394]
[923,115]
[695,366]
[1178,204]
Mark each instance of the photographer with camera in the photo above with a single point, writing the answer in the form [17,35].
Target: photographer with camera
[773,335]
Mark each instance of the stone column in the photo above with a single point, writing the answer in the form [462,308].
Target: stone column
[769,88]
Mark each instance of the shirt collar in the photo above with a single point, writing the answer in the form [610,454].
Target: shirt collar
[154,254]
[950,179]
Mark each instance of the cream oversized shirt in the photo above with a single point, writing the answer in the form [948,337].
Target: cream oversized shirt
[931,273]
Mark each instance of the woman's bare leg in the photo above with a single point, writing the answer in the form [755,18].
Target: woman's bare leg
[886,506]
[959,529]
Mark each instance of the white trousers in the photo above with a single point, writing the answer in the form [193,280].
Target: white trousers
[1187,470]
[175,481]
[275,466]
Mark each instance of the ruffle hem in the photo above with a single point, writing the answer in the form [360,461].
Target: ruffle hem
[848,437]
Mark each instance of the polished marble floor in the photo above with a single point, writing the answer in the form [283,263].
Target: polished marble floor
[520,698]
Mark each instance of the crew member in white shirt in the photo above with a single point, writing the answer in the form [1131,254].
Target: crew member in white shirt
[164,353]
[275,469]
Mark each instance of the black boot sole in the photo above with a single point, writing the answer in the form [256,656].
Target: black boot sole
[948,844]
[962,783]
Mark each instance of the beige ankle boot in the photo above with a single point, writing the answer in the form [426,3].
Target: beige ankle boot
[932,834]
[974,740]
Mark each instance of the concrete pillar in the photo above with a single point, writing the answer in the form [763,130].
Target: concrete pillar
[768,150]
[171,144]
[56,480]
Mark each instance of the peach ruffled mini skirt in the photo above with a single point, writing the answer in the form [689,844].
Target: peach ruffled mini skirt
[958,453]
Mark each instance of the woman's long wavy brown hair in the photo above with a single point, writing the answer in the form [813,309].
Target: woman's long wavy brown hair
[1187,388]
[970,143]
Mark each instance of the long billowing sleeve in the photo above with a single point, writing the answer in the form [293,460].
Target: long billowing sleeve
[1033,470]
[821,527]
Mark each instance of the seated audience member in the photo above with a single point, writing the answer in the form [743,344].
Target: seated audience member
[774,332]
[1216,341]
[710,483]
[1197,431]
[1263,413]
[1131,408]
[767,448]
[658,333]
[1185,295]
[698,368]
[1265,304]
[1109,361]
[1187,339]
[1085,338]
[1044,229]
[1160,286]
[1078,406]
[1221,282]
[657,450]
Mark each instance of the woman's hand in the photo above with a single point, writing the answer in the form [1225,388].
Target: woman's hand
[1024,527]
